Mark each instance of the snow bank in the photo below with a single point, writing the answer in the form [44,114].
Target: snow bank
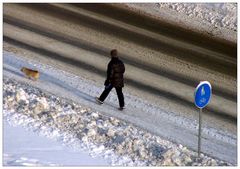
[81,128]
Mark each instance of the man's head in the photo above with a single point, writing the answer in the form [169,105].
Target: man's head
[114,53]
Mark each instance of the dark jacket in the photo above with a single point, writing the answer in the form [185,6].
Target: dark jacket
[115,73]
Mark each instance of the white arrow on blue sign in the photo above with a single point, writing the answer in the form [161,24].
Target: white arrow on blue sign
[203,94]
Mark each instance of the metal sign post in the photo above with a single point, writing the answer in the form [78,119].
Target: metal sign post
[203,94]
[199,131]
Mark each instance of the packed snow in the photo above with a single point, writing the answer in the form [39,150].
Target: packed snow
[82,128]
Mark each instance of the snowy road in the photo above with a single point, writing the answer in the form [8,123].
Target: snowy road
[69,44]
[170,126]
[159,58]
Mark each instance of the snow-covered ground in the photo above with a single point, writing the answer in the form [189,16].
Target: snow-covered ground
[81,129]
[76,123]
[24,147]
[216,19]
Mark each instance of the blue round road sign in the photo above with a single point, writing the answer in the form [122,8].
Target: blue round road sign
[203,94]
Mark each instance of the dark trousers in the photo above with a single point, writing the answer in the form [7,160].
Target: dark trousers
[119,94]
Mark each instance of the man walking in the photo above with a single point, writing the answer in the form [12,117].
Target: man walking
[115,71]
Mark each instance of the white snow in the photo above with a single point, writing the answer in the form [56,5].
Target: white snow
[27,148]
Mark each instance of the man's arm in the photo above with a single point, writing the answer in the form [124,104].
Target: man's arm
[109,73]
[123,68]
